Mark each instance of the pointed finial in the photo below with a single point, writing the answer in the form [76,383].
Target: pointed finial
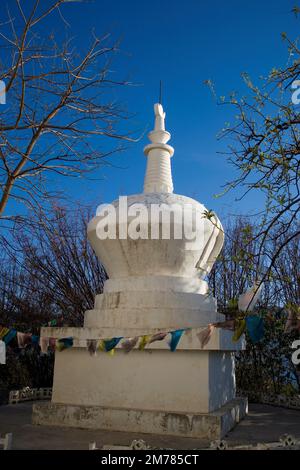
[159,135]
[158,176]
[160,116]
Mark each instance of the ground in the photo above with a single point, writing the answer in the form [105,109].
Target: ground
[263,424]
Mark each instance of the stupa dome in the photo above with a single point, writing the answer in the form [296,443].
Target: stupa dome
[174,244]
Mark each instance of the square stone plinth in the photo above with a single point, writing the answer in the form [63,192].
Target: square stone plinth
[186,380]
[189,392]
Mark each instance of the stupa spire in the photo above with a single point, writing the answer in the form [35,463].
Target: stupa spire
[158,178]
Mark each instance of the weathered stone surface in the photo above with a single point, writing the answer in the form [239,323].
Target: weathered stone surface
[212,426]
[263,424]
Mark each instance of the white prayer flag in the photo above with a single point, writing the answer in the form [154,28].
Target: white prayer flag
[2,352]
[248,300]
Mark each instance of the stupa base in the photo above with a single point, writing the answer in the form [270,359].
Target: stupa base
[187,393]
[207,426]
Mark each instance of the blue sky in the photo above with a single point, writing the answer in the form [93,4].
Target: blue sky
[183,44]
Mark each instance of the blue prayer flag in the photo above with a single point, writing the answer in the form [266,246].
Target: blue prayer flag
[9,336]
[64,343]
[175,338]
[110,344]
[255,327]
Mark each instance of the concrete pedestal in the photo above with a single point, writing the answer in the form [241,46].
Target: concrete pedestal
[156,283]
[189,392]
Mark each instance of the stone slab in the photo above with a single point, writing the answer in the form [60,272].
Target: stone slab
[262,424]
[203,426]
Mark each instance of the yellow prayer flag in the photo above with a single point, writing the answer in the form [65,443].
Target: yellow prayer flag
[240,328]
[3,332]
[101,345]
[144,341]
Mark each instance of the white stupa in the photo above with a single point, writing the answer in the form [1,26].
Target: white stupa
[154,285]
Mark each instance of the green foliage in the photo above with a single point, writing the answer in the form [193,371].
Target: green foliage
[208,214]
[265,366]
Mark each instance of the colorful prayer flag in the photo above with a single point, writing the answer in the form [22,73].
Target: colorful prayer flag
[64,343]
[2,352]
[3,332]
[255,327]
[175,338]
[129,343]
[240,326]
[9,336]
[44,344]
[205,335]
[249,299]
[52,344]
[109,344]
[35,339]
[144,341]
[92,346]
[158,337]
[23,339]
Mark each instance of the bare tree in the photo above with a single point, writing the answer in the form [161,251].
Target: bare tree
[60,106]
[50,271]
[236,268]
